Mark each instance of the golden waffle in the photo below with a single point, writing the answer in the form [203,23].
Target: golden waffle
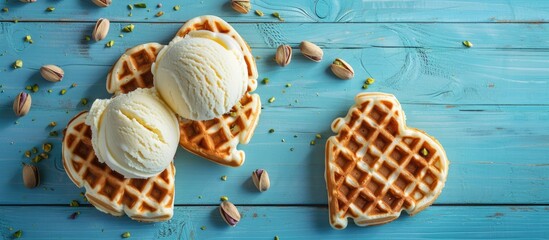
[218,138]
[148,200]
[376,166]
[133,69]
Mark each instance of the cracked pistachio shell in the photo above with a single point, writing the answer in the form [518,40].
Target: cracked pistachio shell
[229,213]
[102,3]
[52,73]
[241,6]
[101,29]
[311,51]
[261,180]
[22,104]
[31,176]
[342,69]
[283,55]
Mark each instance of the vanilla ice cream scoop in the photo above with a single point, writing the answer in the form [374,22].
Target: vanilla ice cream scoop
[201,76]
[135,134]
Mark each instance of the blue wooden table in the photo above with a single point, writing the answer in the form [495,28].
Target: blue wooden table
[487,105]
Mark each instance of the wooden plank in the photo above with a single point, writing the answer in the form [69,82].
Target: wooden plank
[285,222]
[415,62]
[294,11]
[498,155]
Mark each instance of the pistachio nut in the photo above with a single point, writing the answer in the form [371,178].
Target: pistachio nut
[102,3]
[27,1]
[283,55]
[229,213]
[52,73]
[261,180]
[22,104]
[241,6]
[101,29]
[311,51]
[342,69]
[31,176]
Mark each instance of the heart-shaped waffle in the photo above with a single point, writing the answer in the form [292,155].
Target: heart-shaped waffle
[147,200]
[376,166]
[218,138]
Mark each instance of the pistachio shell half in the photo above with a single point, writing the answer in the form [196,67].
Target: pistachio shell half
[283,55]
[311,51]
[241,6]
[261,180]
[342,69]
[101,29]
[22,104]
[52,73]
[229,213]
[102,3]
[31,176]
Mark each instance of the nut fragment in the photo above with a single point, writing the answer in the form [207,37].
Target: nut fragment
[22,104]
[101,29]
[229,213]
[311,51]
[31,176]
[241,6]
[283,55]
[261,180]
[102,3]
[342,69]
[52,73]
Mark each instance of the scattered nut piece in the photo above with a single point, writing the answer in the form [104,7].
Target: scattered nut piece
[261,180]
[311,51]
[18,63]
[241,6]
[52,73]
[342,69]
[102,3]
[229,213]
[101,29]
[467,44]
[283,55]
[22,104]
[31,176]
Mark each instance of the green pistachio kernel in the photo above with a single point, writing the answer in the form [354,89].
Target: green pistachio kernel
[18,234]
[467,44]
[259,13]
[224,178]
[176,8]
[63,91]
[271,100]
[74,203]
[370,81]
[18,63]
[109,43]
[318,136]
[265,81]
[126,235]
[140,5]
[128,28]
[224,198]
[47,147]
[424,152]
[84,101]
[312,142]
[35,88]
[50,9]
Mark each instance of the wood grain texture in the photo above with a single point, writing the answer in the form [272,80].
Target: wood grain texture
[285,222]
[291,11]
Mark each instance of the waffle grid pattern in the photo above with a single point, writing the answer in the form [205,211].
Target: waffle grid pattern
[378,170]
[142,199]
[133,69]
